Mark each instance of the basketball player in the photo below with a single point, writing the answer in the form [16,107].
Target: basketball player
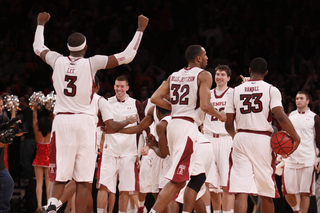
[184,87]
[252,160]
[152,168]
[298,173]
[221,142]
[74,121]
[120,154]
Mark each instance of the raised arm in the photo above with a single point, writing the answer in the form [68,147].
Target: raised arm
[129,53]
[38,45]
[158,97]
[205,83]
[37,134]
[145,123]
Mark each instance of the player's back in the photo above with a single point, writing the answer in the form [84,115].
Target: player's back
[252,105]
[73,83]
[184,92]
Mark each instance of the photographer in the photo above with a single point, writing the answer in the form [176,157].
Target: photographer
[6,181]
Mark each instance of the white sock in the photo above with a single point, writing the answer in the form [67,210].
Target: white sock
[59,204]
[53,201]
[208,209]
[152,211]
[216,211]
[121,212]
[295,208]
[141,203]
[185,212]
[100,210]
[231,211]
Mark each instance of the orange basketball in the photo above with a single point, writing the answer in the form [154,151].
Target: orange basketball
[281,143]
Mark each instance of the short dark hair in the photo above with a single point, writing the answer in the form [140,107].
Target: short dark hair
[96,81]
[76,39]
[45,125]
[225,68]
[304,93]
[122,78]
[259,65]
[163,111]
[192,52]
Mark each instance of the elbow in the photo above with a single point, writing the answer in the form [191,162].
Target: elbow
[205,107]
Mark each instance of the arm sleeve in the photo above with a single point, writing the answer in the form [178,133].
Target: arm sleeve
[105,109]
[275,97]
[230,104]
[38,44]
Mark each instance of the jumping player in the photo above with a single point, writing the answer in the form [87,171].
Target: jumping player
[73,127]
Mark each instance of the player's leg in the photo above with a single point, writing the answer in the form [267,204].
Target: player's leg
[305,202]
[192,190]
[228,200]
[111,202]
[38,171]
[166,195]
[200,206]
[206,199]
[123,201]
[102,198]
[267,205]
[216,200]
[81,196]
[241,203]
[90,199]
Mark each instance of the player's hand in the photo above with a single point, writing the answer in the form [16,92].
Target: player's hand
[294,147]
[145,150]
[138,162]
[223,116]
[132,119]
[317,165]
[142,23]
[43,18]
[151,141]
[2,145]
[105,130]
[244,79]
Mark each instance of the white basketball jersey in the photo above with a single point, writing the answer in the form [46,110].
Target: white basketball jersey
[219,102]
[184,92]
[155,123]
[252,102]
[73,83]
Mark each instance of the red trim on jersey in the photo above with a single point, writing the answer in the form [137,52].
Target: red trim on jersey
[52,158]
[184,118]
[188,68]
[73,60]
[230,166]
[219,96]
[182,170]
[273,165]
[256,132]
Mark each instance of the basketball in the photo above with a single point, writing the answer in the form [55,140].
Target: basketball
[281,143]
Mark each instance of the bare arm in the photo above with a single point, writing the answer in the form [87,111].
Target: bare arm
[114,126]
[129,53]
[158,96]
[37,134]
[163,143]
[205,82]
[229,125]
[145,123]
[286,125]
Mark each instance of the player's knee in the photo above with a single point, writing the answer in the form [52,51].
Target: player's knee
[197,181]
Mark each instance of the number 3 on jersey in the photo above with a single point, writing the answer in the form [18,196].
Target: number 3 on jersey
[249,107]
[179,94]
[71,87]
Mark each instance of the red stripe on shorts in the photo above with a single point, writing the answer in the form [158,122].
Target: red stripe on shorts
[230,166]
[182,170]
[136,174]
[52,158]
[273,165]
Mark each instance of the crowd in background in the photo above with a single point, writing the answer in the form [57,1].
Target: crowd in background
[284,32]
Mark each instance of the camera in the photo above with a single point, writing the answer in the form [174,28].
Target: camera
[9,130]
